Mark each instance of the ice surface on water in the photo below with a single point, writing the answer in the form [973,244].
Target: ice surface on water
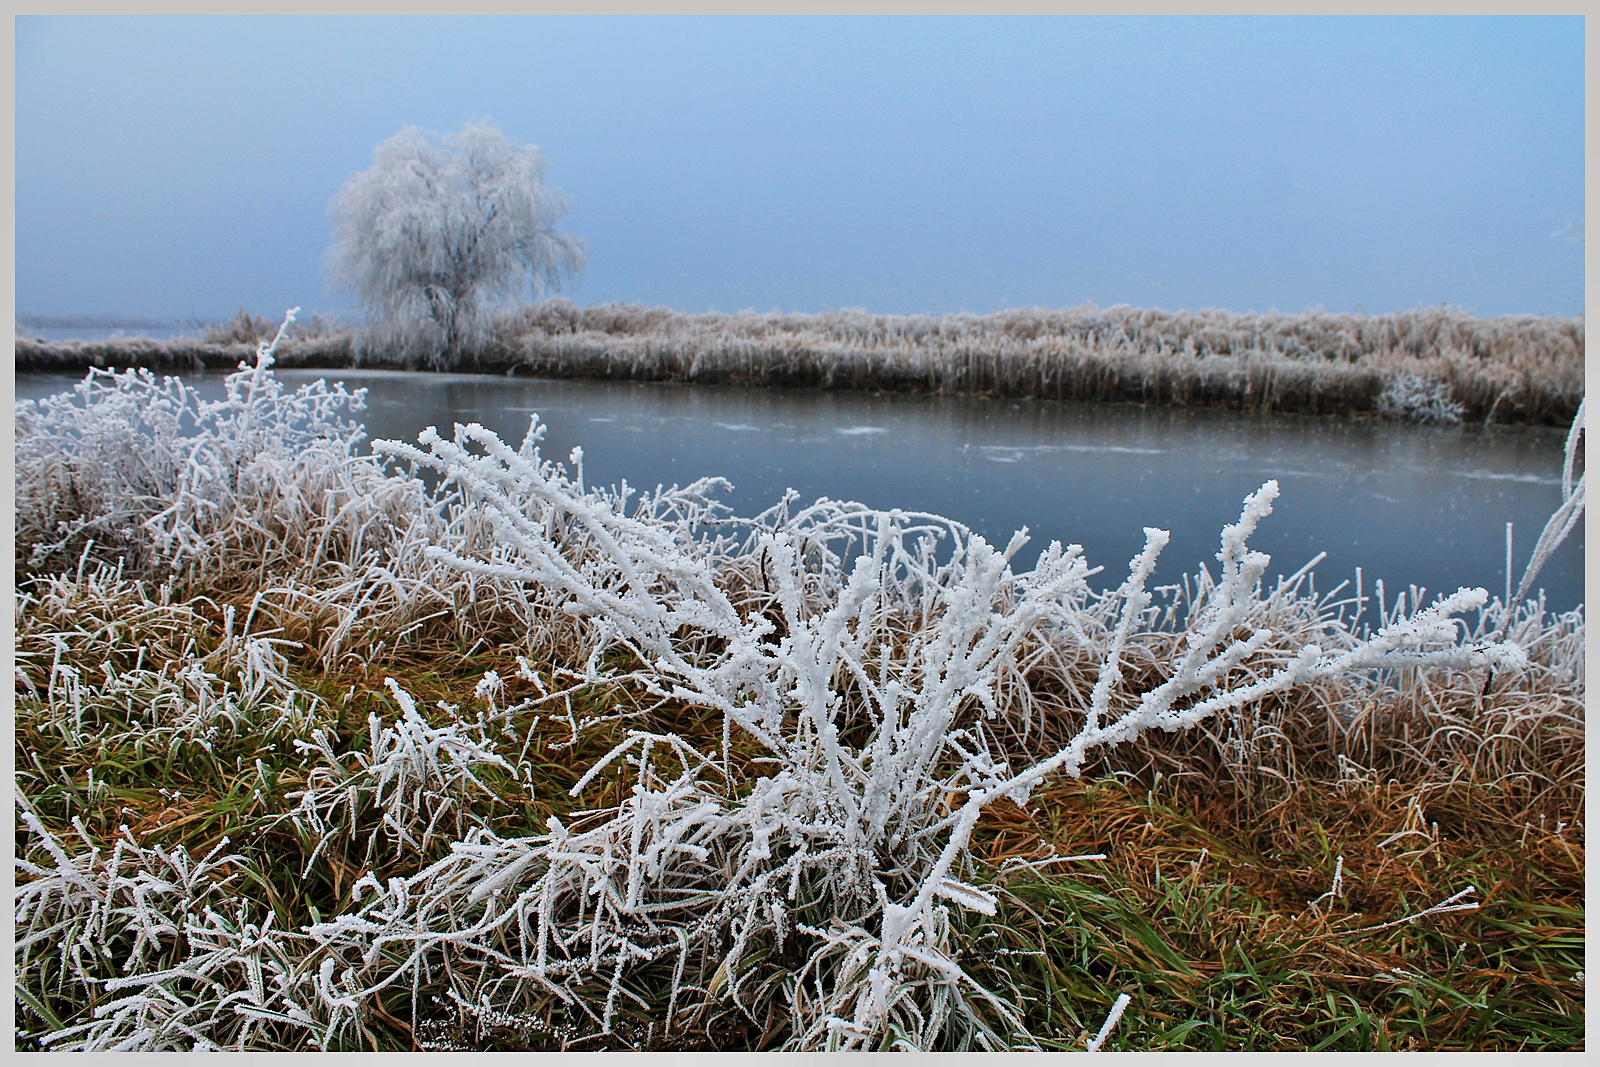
[1532,479]
[1075,448]
[1087,474]
[1285,472]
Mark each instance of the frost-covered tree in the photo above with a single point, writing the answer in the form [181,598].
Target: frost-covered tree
[439,230]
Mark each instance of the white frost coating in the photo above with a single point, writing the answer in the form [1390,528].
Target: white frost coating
[872,658]
[1565,518]
[411,778]
[1123,1000]
[848,831]
[1412,396]
[439,230]
[149,466]
[194,968]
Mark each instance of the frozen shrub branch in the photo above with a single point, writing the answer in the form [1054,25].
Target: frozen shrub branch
[152,470]
[1411,396]
[686,865]
[1565,518]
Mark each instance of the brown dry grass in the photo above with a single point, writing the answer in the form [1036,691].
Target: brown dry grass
[1507,369]
[1517,368]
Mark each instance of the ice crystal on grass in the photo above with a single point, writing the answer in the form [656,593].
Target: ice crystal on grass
[150,468]
[412,779]
[1411,396]
[882,680]
[871,688]
[162,946]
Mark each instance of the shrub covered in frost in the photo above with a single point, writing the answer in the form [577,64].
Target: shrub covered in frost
[1410,396]
[829,881]
[149,471]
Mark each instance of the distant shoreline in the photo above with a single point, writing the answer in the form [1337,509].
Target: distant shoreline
[1509,369]
[111,322]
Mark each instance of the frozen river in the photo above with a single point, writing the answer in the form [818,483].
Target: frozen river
[1409,504]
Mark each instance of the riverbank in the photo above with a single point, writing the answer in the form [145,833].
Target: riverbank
[1510,369]
[313,754]
[1245,907]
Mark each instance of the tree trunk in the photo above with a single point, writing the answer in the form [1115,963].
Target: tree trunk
[443,308]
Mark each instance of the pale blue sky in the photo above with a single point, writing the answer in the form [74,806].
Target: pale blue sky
[169,166]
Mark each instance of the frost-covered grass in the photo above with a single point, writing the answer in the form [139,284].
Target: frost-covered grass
[312,755]
[1425,363]
[1418,399]
[1511,368]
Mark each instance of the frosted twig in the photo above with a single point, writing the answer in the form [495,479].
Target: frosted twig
[1123,1000]
[1446,905]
